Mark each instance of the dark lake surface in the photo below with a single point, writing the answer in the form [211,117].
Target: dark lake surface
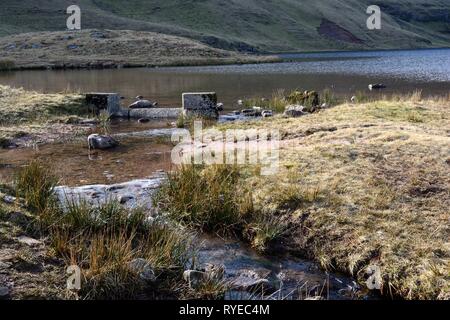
[343,72]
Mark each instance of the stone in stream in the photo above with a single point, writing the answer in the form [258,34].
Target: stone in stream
[101,142]
[251,281]
[203,104]
[294,111]
[132,194]
[267,113]
[211,272]
[220,106]
[4,293]
[144,120]
[142,104]
[376,86]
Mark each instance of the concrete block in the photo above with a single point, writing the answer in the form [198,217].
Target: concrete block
[203,104]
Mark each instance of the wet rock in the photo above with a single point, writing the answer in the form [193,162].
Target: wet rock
[144,120]
[4,293]
[142,104]
[248,113]
[376,86]
[28,241]
[143,268]
[125,199]
[101,142]
[211,272]
[251,281]
[89,122]
[141,190]
[267,113]
[228,118]
[194,277]
[220,106]
[258,111]
[294,111]
[9,199]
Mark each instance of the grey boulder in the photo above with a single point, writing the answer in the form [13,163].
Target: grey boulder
[142,104]
[101,142]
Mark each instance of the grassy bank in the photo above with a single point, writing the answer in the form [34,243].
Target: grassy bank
[27,117]
[111,49]
[360,185]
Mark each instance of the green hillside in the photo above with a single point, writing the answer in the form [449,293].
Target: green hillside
[266,25]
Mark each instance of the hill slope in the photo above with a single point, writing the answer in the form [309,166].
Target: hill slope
[90,48]
[270,25]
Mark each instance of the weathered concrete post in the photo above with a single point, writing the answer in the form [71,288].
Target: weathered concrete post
[203,104]
[98,101]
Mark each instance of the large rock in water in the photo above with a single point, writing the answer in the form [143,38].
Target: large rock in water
[101,142]
[294,111]
[142,104]
[202,104]
[132,194]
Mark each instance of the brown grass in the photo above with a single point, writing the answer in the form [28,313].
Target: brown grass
[367,184]
[38,116]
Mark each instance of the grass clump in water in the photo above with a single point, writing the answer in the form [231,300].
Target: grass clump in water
[215,199]
[207,198]
[35,183]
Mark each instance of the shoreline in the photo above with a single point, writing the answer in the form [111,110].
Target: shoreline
[112,49]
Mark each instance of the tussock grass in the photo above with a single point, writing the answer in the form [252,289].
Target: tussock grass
[207,198]
[213,199]
[35,183]
[104,240]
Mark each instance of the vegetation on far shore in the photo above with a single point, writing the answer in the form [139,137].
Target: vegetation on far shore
[106,49]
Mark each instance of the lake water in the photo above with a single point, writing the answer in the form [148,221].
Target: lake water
[343,72]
